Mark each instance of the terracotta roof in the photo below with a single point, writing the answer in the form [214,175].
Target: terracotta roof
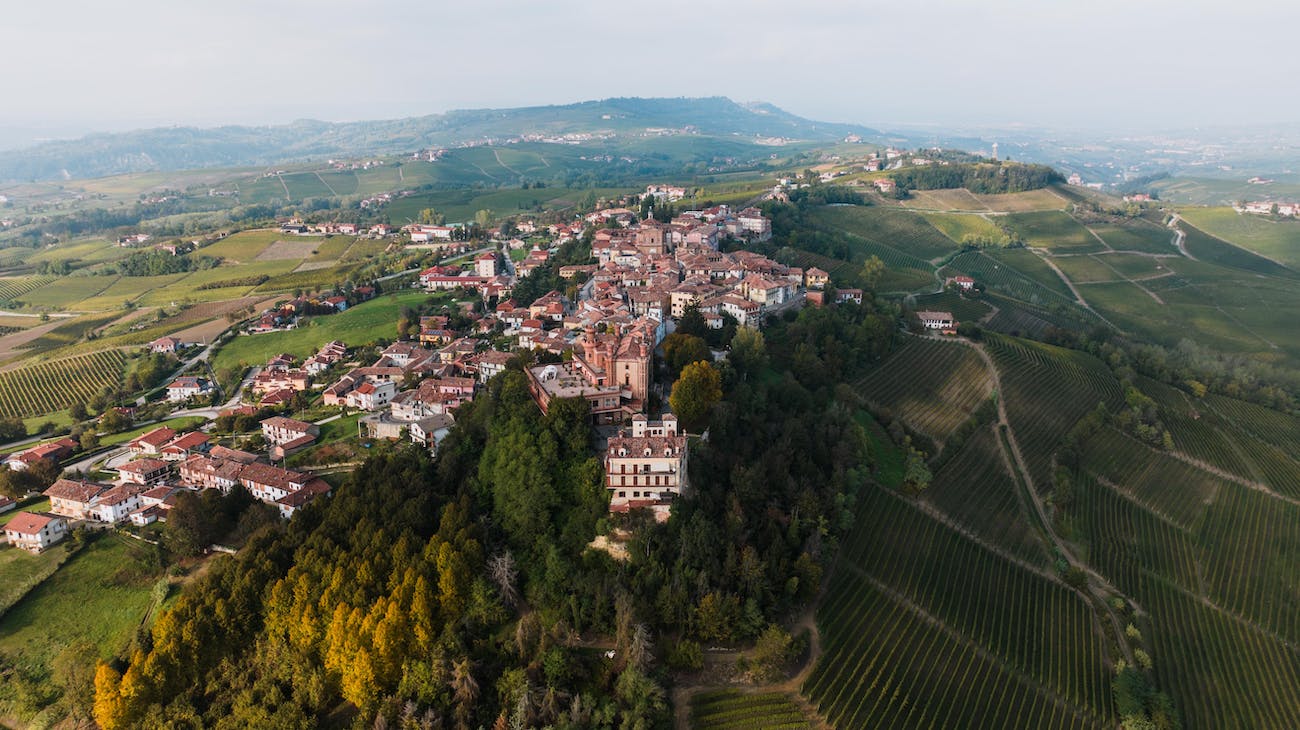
[29,523]
[155,438]
[143,466]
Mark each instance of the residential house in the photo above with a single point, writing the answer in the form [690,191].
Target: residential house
[35,531]
[144,471]
[815,278]
[116,504]
[186,387]
[936,320]
[646,467]
[431,430]
[848,295]
[165,345]
[185,445]
[151,443]
[54,451]
[73,498]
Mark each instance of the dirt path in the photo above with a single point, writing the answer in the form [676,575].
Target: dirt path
[284,185]
[497,154]
[327,185]
[11,344]
[1180,238]
[1047,259]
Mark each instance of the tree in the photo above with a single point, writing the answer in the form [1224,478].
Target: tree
[483,218]
[872,269]
[89,440]
[682,349]
[12,429]
[748,351]
[917,475]
[77,411]
[692,322]
[772,651]
[464,690]
[694,394]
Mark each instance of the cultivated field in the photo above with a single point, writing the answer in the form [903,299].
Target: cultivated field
[1053,230]
[43,387]
[1276,239]
[932,385]
[734,710]
[904,231]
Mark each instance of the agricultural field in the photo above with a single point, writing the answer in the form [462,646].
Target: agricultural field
[907,232]
[923,627]
[44,387]
[1053,230]
[1086,269]
[974,489]
[932,385]
[964,308]
[1047,390]
[957,226]
[12,288]
[66,291]
[1209,249]
[365,322]
[363,249]
[1004,279]
[243,246]
[20,570]
[331,248]
[730,709]
[957,199]
[1031,266]
[1136,235]
[1030,200]
[1276,239]
[125,289]
[1212,564]
[312,279]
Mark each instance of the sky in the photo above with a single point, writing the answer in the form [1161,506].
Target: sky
[73,66]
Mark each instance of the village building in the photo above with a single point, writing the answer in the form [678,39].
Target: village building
[35,531]
[73,498]
[151,443]
[54,451]
[936,320]
[144,471]
[186,387]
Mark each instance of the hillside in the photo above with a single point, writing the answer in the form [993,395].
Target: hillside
[235,146]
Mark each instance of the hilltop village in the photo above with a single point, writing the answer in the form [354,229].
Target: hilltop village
[594,338]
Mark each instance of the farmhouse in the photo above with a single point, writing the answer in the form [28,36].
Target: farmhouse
[165,345]
[815,278]
[885,185]
[848,295]
[54,451]
[144,471]
[73,498]
[965,283]
[35,531]
[936,320]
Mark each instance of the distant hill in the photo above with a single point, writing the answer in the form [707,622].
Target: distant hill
[178,148]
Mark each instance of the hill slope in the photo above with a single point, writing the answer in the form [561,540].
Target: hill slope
[233,146]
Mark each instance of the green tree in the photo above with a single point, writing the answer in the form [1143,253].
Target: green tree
[682,349]
[916,476]
[77,411]
[748,351]
[872,269]
[694,394]
[12,428]
[692,322]
[483,218]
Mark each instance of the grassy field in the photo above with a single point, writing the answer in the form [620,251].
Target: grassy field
[1030,200]
[363,323]
[730,709]
[87,610]
[1053,230]
[1267,236]
[904,231]
[243,246]
[957,226]
[1031,266]
[20,570]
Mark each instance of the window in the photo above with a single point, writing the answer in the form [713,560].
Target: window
[622,495]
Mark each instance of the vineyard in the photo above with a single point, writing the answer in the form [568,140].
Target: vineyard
[1213,250]
[45,387]
[734,710]
[898,229]
[932,385]
[1054,230]
[974,489]
[1047,390]
[1213,566]
[999,277]
[964,308]
[12,288]
[922,627]
[1031,266]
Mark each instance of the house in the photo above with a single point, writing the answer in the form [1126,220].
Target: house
[885,185]
[273,379]
[54,451]
[815,278]
[431,430]
[281,430]
[848,295]
[287,490]
[116,504]
[965,283]
[153,442]
[491,363]
[73,498]
[370,395]
[144,471]
[646,468]
[186,387]
[936,320]
[183,446]
[165,345]
[485,265]
[35,531]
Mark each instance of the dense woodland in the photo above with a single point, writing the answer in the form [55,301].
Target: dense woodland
[461,592]
[984,178]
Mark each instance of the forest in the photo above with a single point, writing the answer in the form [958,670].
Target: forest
[984,178]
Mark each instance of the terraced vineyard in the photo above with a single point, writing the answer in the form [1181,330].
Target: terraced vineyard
[1047,390]
[12,288]
[1212,563]
[730,709]
[965,309]
[45,387]
[923,627]
[933,385]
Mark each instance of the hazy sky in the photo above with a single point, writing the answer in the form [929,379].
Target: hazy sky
[77,65]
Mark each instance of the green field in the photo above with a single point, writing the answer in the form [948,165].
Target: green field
[959,225]
[964,308]
[1053,230]
[1213,250]
[66,291]
[363,323]
[1136,235]
[898,229]
[1265,235]
[243,246]
[87,610]
[20,571]
[730,709]
[932,385]
[12,288]
[1031,266]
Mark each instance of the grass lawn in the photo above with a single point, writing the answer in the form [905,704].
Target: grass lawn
[31,504]
[88,609]
[340,429]
[361,324]
[176,424]
[20,570]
